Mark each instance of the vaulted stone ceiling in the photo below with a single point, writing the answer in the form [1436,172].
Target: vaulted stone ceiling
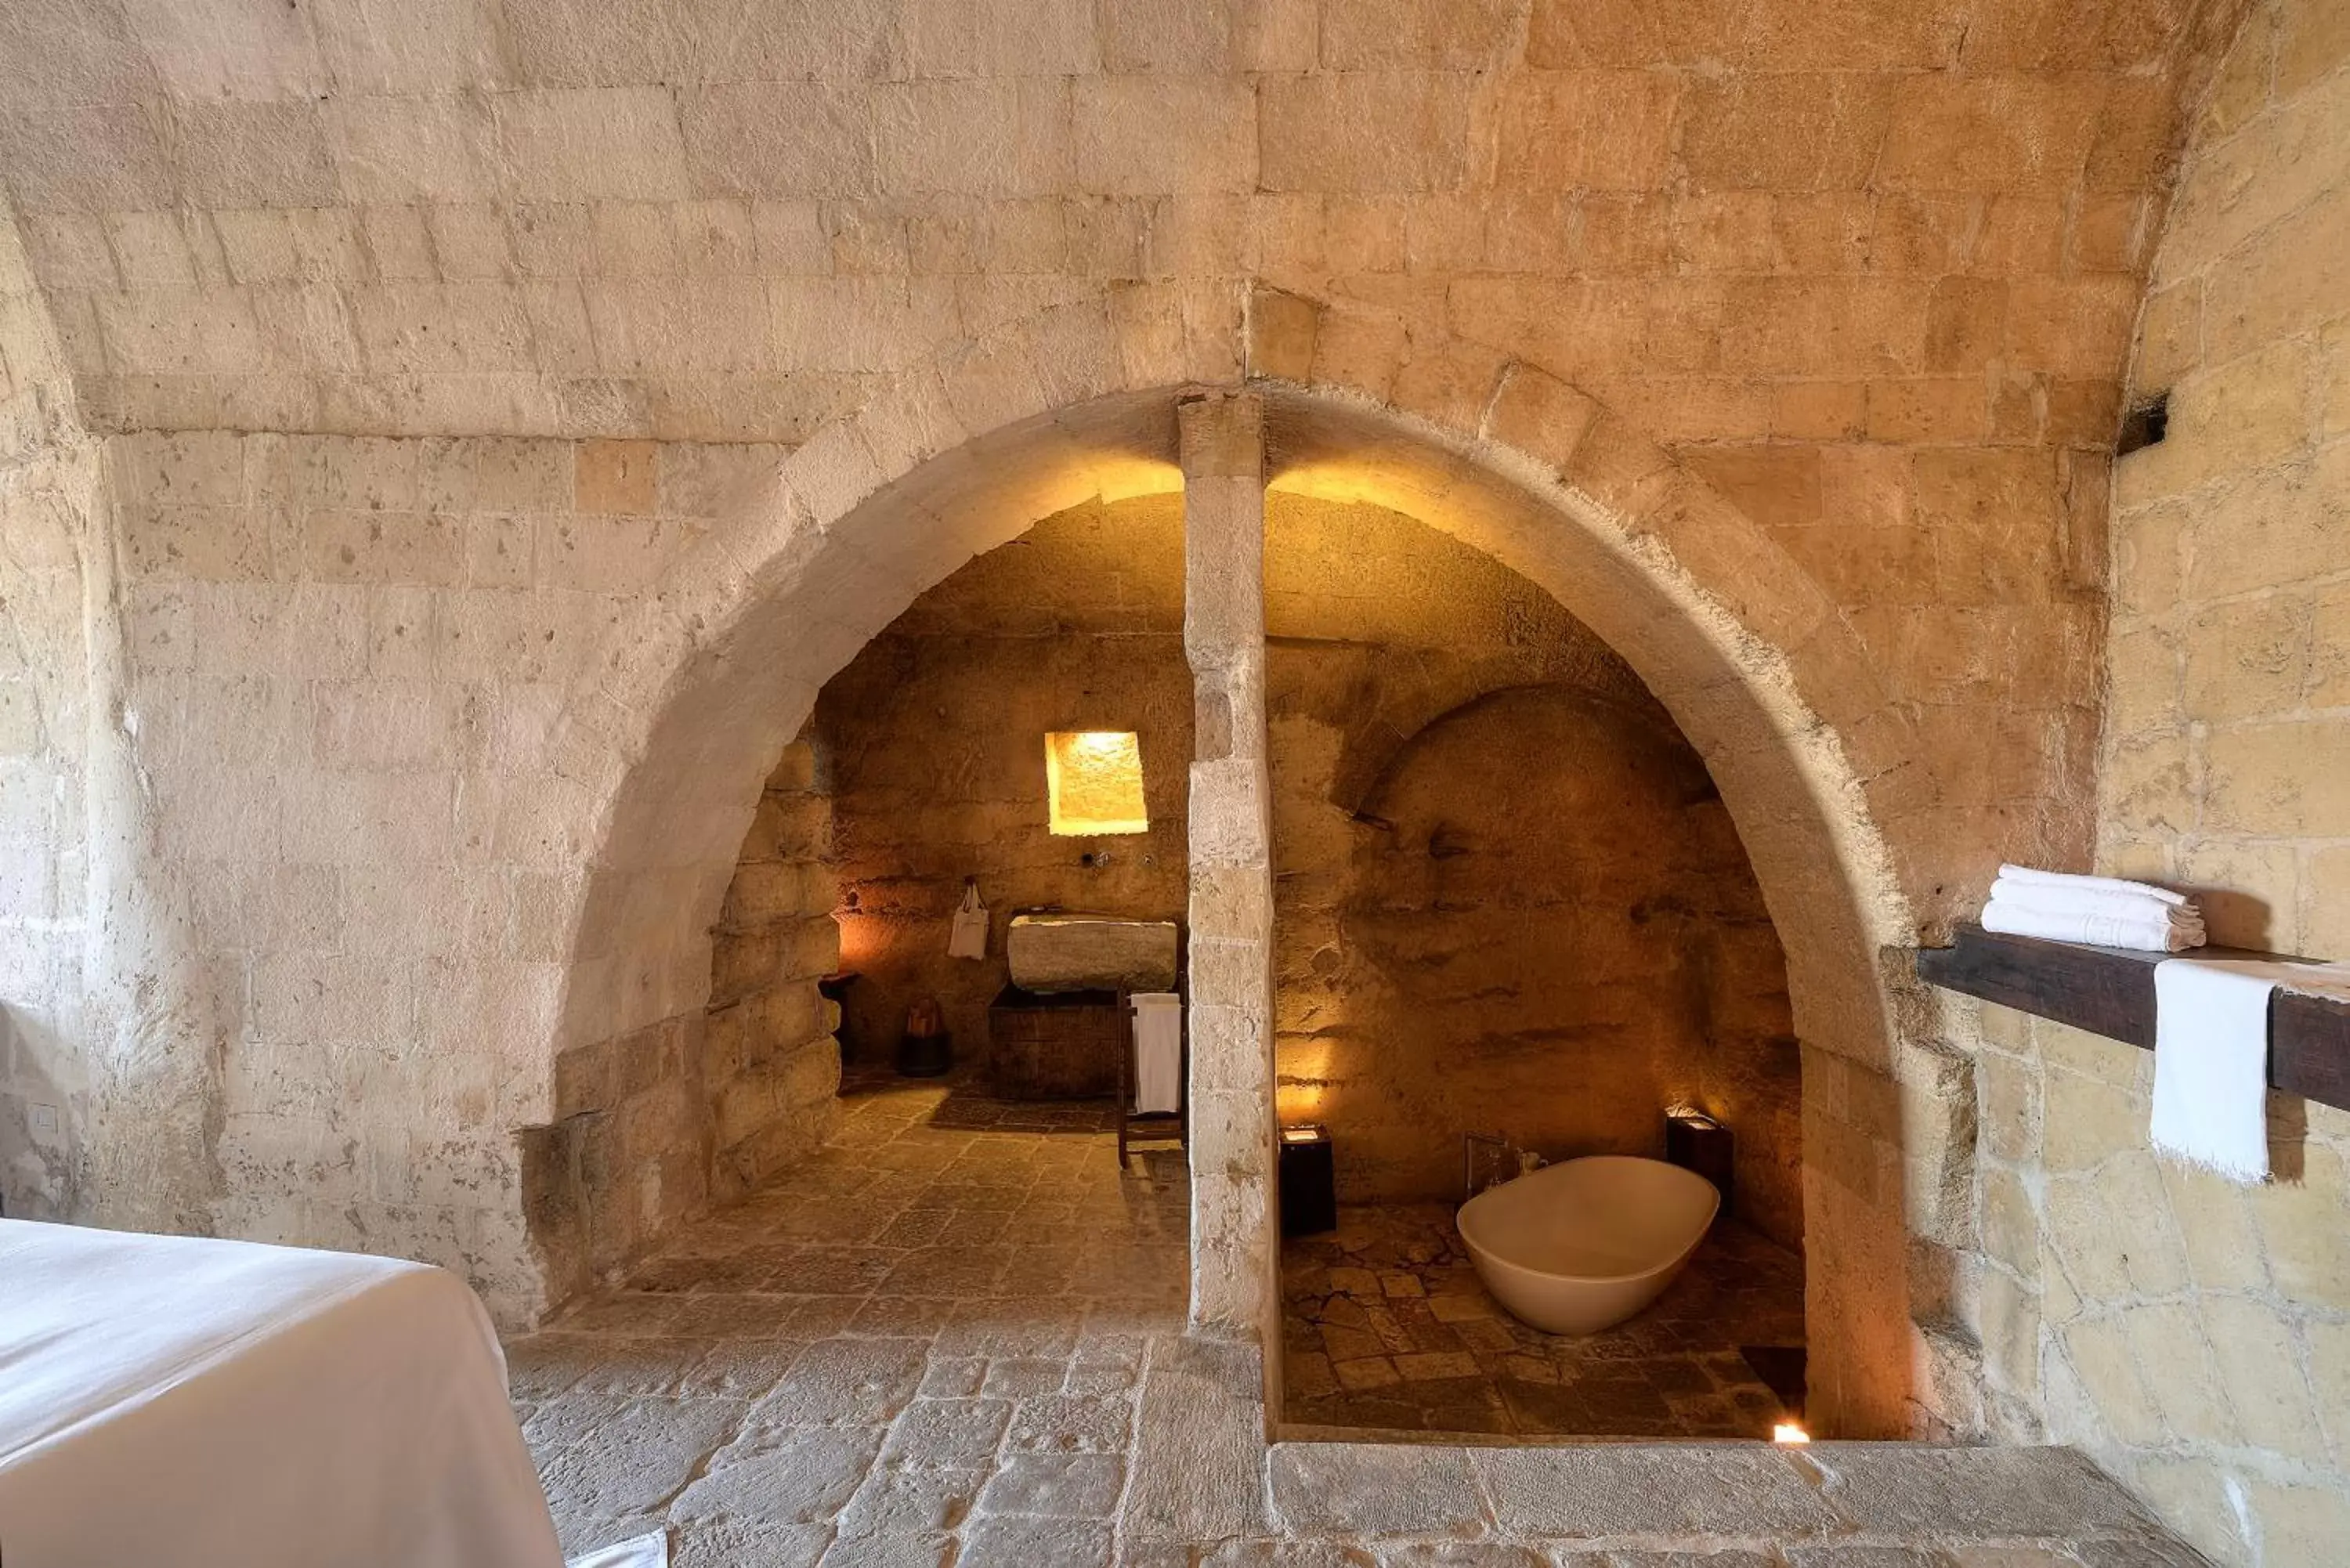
[713,219]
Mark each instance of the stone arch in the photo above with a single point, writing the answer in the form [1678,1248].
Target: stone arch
[656,759]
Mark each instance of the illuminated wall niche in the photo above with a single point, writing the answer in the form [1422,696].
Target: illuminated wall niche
[1093,781]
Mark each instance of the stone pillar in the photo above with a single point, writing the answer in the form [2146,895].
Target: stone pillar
[1233,1233]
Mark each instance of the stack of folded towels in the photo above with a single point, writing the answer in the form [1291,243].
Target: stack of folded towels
[2102,912]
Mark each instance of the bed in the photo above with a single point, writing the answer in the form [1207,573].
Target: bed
[179,1403]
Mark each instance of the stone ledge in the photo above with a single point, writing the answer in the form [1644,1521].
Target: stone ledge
[1729,1494]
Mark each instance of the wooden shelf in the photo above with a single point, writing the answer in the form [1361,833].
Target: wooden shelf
[2110,991]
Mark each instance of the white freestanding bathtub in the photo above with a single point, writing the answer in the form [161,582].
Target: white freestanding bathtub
[1581,1245]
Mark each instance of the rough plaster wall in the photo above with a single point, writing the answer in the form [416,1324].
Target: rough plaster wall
[2192,1335]
[935,741]
[1507,896]
[1870,268]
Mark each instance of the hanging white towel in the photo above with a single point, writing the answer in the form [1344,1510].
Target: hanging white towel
[2212,1056]
[1157,1053]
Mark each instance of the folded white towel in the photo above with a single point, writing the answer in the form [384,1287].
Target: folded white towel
[2027,873]
[2212,1056]
[2050,899]
[1157,1053]
[2148,933]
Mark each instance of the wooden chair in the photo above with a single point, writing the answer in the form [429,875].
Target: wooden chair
[1156,1126]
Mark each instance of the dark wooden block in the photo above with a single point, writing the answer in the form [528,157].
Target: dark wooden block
[2110,991]
[1057,1046]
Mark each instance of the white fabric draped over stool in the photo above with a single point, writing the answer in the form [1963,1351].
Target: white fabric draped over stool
[1157,1053]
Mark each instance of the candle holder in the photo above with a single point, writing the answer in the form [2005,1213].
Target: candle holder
[1695,1141]
[1309,1183]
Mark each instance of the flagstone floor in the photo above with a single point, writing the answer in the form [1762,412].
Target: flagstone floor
[1387,1327]
[953,1338]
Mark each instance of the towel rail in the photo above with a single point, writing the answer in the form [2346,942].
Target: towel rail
[2110,991]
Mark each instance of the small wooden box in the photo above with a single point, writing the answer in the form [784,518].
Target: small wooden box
[1055,1045]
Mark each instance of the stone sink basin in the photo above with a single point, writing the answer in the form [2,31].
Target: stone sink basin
[1090,952]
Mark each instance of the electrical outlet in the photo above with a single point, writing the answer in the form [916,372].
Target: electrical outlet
[46,1128]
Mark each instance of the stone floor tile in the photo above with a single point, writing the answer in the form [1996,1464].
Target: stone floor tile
[1614,1490]
[646,1367]
[1072,1422]
[1286,1554]
[890,1551]
[845,1381]
[1015,1542]
[732,1544]
[953,1376]
[1460,1555]
[741,1368]
[2139,1551]
[1019,1377]
[1375,1489]
[1062,1485]
[917,1502]
[1898,1488]
[637,1458]
[779,1476]
[947,1434]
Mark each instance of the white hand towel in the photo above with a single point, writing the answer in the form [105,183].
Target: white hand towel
[1157,1053]
[2211,1057]
[2146,934]
[2027,873]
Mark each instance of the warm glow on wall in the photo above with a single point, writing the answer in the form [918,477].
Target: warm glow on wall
[1093,780]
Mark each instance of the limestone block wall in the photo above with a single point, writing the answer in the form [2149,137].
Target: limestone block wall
[1871,272]
[1507,896]
[771,1063]
[2194,1336]
[47,529]
[933,738]
[2227,764]
[343,656]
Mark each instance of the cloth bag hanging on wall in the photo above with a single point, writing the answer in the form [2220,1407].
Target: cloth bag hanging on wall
[967,940]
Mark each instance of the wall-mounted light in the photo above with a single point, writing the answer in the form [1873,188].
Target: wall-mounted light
[1093,783]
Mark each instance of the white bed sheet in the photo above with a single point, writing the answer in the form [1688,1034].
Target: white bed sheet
[168,1402]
